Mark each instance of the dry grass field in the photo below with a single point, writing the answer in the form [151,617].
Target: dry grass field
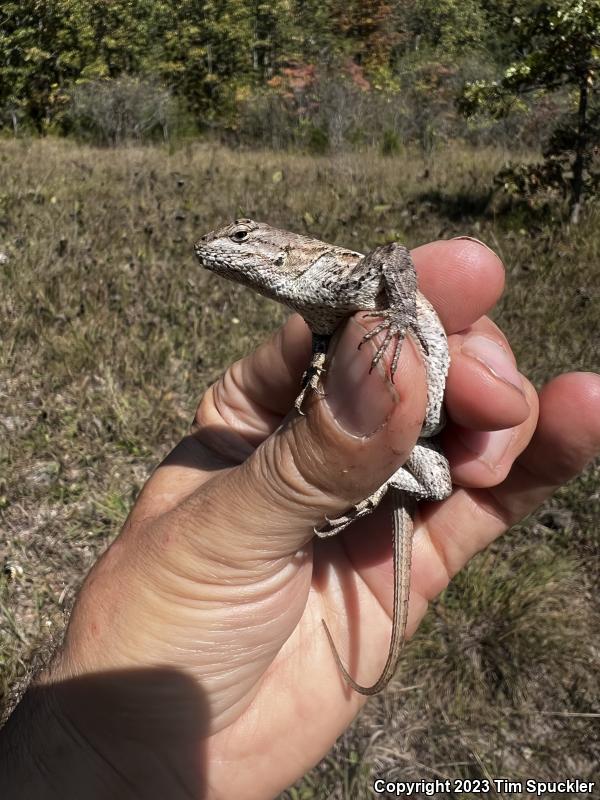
[110,333]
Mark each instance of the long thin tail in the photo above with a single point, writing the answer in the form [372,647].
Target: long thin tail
[404,505]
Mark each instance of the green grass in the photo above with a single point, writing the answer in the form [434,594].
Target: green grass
[110,333]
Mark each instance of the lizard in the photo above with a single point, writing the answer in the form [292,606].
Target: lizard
[325,284]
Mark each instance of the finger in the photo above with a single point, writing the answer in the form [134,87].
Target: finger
[360,419]
[481,395]
[257,391]
[566,440]
[481,459]
[485,390]
[462,278]
[315,466]
[350,441]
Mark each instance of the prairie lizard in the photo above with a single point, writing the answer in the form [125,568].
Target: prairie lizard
[326,284]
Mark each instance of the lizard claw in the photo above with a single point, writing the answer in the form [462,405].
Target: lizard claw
[392,328]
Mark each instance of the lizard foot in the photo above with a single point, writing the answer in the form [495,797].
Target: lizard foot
[311,380]
[331,527]
[393,326]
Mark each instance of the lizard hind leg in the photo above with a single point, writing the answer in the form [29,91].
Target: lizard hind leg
[404,506]
[312,375]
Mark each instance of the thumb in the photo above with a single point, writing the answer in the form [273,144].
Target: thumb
[351,439]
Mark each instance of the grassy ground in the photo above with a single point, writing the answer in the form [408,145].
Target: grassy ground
[110,333]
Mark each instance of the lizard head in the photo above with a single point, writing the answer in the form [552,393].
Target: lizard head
[255,254]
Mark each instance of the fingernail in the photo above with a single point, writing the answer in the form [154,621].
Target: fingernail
[361,401]
[489,446]
[477,241]
[493,356]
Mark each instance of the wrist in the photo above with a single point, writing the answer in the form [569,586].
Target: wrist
[118,735]
[43,755]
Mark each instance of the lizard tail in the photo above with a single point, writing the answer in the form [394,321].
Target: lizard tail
[404,505]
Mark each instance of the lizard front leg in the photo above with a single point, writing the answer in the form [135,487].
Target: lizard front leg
[399,316]
[392,266]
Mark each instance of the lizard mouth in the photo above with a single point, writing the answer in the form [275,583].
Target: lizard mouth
[204,255]
[209,259]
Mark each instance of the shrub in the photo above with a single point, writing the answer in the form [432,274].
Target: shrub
[390,143]
[111,112]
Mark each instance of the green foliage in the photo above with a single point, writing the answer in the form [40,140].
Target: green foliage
[47,45]
[215,49]
[213,54]
[390,144]
[448,26]
[556,45]
[29,72]
[206,51]
[315,75]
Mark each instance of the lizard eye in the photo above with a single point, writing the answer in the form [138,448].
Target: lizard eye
[239,236]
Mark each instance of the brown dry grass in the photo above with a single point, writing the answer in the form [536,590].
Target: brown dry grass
[110,333]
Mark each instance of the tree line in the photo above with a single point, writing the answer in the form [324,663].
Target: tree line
[210,52]
[230,63]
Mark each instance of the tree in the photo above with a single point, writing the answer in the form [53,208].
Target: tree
[367,31]
[556,46]
[47,45]
[30,71]
[448,27]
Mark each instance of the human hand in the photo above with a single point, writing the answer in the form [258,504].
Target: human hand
[197,637]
